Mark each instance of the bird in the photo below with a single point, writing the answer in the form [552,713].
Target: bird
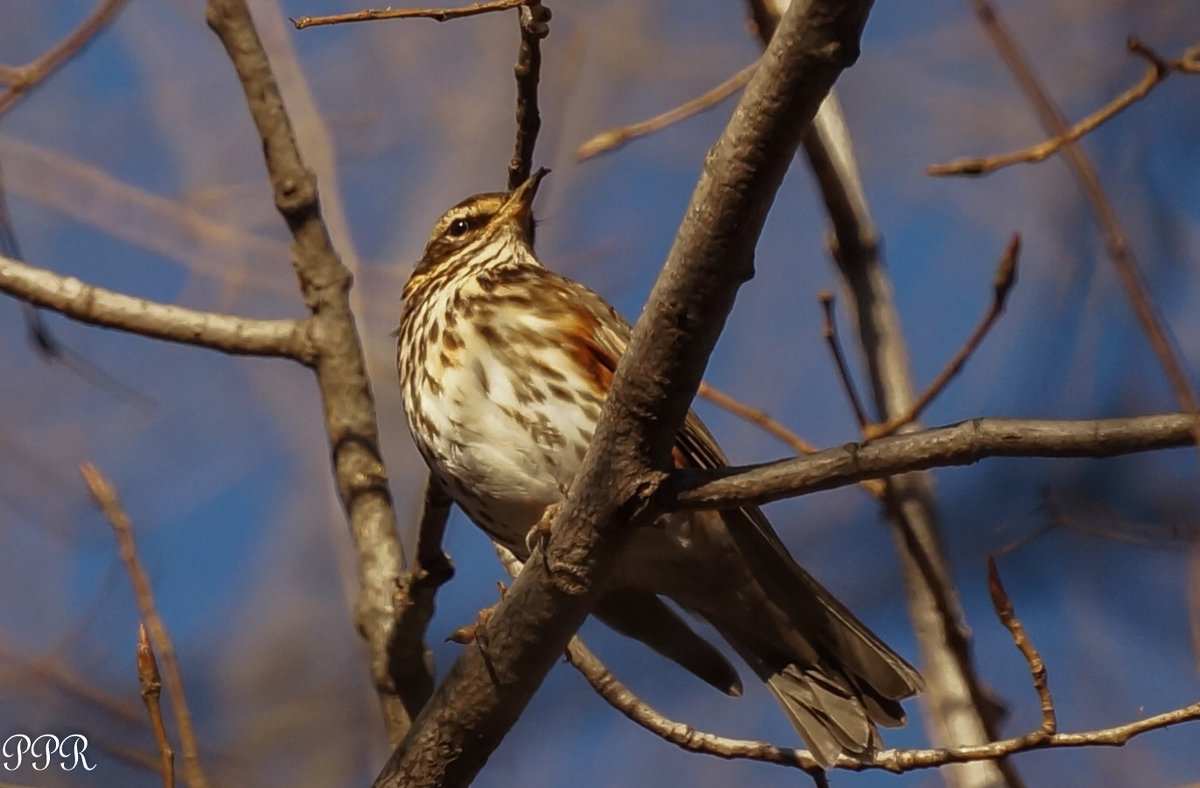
[504,366]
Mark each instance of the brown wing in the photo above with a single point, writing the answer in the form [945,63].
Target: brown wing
[815,612]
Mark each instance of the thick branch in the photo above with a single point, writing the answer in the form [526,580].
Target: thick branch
[489,686]
[341,372]
[960,444]
[99,307]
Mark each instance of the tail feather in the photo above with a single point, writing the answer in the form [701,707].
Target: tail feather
[829,717]
[833,677]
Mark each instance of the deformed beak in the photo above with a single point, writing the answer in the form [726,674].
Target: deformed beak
[519,205]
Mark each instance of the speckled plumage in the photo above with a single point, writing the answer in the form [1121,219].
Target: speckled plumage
[503,368]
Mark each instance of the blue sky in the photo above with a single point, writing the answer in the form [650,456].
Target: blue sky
[136,168]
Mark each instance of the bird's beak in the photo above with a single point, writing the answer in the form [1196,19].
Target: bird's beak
[519,205]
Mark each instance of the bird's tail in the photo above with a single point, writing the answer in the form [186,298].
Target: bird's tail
[833,677]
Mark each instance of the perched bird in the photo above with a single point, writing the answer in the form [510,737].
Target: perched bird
[504,366]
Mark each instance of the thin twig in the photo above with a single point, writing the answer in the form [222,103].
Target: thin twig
[1159,70]
[22,79]
[611,139]
[534,21]
[758,417]
[1115,240]
[99,307]
[829,331]
[771,426]
[150,686]
[1002,283]
[437,14]
[105,495]
[624,700]
[1037,668]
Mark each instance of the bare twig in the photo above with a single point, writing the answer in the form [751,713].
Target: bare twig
[1006,275]
[437,14]
[758,417]
[46,670]
[99,307]
[1159,70]
[106,499]
[896,761]
[960,444]
[623,699]
[611,139]
[534,20]
[22,79]
[220,251]
[1037,668]
[1115,241]
[349,412]
[772,427]
[829,332]
[150,684]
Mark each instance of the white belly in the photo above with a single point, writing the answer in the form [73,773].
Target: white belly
[508,444]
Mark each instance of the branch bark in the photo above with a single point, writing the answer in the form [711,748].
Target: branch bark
[349,408]
[492,681]
[959,444]
[99,307]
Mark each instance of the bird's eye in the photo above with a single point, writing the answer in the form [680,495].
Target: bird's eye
[458,227]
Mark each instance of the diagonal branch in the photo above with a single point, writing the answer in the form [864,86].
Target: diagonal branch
[105,496]
[22,79]
[1160,69]
[611,139]
[489,686]
[349,408]
[99,307]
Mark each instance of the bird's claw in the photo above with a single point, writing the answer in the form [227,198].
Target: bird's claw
[539,534]
[477,629]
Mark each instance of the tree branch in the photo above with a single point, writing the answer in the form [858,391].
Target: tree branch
[437,14]
[99,307]
[105,495]
[1160,69]
[488,687]
[959,444]
[22,79]
[341,372]
[534,21]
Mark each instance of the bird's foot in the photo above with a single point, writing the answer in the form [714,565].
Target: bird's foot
[476,631]
[539,534]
